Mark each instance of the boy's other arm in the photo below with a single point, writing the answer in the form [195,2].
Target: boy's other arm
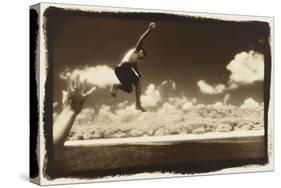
[136,69]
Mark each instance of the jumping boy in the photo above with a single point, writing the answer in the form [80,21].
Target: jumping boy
[127,71]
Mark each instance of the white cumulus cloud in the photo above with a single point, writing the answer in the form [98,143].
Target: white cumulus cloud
[151,96]
[218,104]
[187,106]
[250,103]
[168,84]
[100,76]
[125,112]
[209,89]
[246,68]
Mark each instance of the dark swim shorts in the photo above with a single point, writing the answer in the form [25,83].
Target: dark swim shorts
[126,76]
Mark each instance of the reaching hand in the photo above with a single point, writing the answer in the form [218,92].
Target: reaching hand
[76,94]
[152,25]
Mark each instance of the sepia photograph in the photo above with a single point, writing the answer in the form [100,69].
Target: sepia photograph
[137,93]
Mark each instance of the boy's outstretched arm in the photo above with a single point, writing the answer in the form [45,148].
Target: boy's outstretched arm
[152,25]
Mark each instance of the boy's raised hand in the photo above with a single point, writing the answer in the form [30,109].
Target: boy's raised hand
[152,25]
[76,94]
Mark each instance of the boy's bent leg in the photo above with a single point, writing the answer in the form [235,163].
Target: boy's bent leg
[126,88]
[138,96]
[114,89]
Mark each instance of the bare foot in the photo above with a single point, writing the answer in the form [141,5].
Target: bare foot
[113,90]
[140,108]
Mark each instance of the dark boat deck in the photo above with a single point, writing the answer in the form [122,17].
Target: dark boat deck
[179,157]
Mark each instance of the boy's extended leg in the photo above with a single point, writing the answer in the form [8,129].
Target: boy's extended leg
[138,96]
